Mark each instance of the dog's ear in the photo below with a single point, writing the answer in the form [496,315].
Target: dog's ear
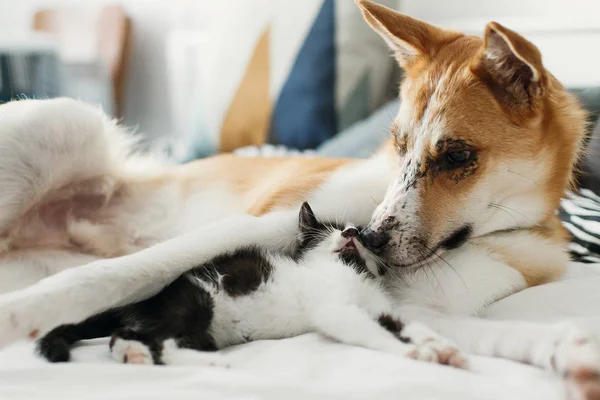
[307,219]
[410,38]
[511,66]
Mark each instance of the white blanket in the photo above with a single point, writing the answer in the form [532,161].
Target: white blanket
[311,367]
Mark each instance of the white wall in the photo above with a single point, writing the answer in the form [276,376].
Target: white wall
[439,10]
[567,31]
[146,97]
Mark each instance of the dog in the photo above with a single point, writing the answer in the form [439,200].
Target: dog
[481,151]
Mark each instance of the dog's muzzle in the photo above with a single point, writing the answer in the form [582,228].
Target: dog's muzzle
[374,241]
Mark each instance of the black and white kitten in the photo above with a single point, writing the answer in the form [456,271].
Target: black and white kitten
[330,285]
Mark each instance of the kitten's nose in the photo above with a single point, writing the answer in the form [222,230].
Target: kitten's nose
[374,240]
[350,233]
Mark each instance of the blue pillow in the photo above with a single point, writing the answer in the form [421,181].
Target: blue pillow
[363,138]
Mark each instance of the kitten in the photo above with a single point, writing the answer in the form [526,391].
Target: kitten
[330,285]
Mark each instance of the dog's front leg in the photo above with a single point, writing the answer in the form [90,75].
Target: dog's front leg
[447,299]
[564,348]
[75,294]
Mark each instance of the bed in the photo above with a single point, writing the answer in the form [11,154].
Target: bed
[311,366]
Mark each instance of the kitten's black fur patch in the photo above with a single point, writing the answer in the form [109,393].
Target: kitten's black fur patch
[393,325]
[311,231]
[242,271]
[390,323]
[180,308]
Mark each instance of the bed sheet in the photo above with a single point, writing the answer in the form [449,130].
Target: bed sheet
[310,366]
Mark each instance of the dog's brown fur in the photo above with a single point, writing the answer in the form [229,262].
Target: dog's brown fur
[495,96]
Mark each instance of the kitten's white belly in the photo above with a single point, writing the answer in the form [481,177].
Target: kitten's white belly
[283,306]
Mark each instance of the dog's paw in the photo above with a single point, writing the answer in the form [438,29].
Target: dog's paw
[576,357]
[20,318]
[431,347]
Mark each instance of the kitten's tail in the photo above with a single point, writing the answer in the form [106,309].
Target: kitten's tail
[56,345]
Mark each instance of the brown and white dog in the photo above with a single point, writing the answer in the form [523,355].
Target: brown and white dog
[481,152]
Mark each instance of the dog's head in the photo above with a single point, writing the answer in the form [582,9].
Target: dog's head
[485,138]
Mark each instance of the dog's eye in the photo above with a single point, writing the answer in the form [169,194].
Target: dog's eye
[455,158]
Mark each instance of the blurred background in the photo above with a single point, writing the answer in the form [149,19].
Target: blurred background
[198,77]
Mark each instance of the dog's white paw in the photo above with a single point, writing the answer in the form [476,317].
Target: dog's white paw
[431,347]
[130,352]
[23,317]
[577,358]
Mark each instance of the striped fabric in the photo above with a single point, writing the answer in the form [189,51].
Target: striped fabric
[294,74]
[580,214]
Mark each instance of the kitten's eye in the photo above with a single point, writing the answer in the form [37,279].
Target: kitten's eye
[457,158]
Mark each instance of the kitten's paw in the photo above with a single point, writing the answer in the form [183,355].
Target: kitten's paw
[431,347]
[131,347]
[440,351]
[577,358]
[130,352]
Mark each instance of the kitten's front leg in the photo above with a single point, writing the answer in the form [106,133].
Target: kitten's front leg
[477,279]
[351,325]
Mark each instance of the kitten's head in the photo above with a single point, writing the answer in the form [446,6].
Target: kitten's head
[331,239]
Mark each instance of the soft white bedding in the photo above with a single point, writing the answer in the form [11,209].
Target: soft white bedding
[311,367]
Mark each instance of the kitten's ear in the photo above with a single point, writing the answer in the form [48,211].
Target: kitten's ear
[307,218]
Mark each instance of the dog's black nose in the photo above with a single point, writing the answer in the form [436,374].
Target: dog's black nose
[350,233]
[374,240]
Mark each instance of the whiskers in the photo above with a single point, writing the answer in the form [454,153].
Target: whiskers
[521,175]
[317,235]
[426,266]
[511,213]
[386,269]
[377,203]
[438,257]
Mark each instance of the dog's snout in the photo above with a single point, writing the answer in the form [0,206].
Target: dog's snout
[350,233]
[374,240]
[389,222]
